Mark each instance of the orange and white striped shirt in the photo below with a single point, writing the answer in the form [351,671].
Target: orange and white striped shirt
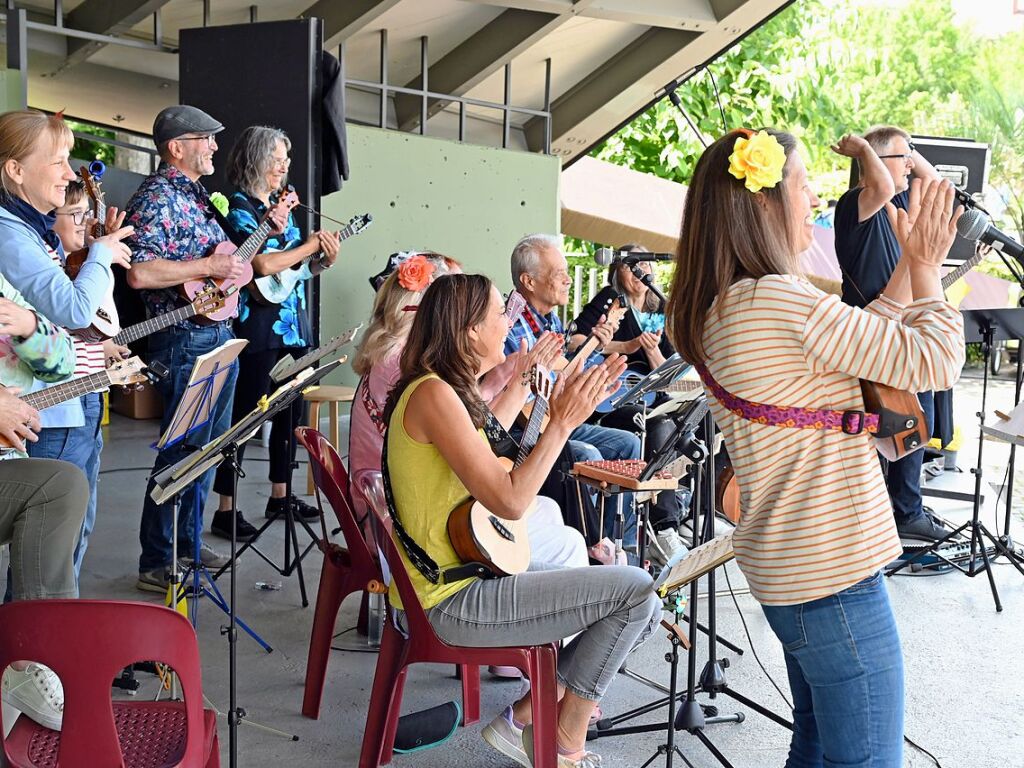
[816,517]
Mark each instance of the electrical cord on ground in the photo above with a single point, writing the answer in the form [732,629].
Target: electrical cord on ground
[350,650]
[753,650]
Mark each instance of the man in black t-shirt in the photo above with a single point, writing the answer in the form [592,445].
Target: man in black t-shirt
[867,251]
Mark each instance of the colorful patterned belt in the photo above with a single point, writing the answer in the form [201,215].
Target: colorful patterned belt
[848,422]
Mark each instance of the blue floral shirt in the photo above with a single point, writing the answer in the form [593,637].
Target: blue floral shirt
[173,219]
[273,326]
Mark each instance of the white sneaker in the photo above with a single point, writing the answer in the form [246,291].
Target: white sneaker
[36,692]
[664,546]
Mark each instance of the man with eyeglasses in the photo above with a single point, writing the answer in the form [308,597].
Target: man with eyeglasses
[175,230]
[867,251]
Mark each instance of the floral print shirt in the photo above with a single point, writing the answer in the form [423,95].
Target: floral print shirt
[173,219]
[273,326]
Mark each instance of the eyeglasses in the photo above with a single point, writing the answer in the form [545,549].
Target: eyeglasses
[281,162]
[210,140]
[78,217]
[903,157]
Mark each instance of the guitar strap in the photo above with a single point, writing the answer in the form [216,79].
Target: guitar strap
[848,422]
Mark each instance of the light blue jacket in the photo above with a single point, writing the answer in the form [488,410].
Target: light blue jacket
[26,264]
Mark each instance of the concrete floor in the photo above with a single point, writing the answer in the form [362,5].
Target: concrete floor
[964,669]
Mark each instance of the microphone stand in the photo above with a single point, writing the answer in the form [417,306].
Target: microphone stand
[648,280]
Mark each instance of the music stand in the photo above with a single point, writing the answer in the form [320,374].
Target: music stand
[285,369]
[664,374]
[984,326]
[225,448]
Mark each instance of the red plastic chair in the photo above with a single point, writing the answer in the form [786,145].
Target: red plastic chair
[422,645]
[345,569]
[87,643]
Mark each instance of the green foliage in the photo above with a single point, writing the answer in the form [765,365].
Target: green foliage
[92,150]
[821,69]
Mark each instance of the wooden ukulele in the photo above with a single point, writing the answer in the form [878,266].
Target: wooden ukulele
[245,253]
[105,323]
[480,536]
[206,303]
[276,287]
[123,373]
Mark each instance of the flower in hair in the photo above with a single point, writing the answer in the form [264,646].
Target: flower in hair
[757,159]
[414,273]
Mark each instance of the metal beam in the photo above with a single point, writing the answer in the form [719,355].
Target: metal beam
[104,17]
[344,18]
[481,55]
[611,80]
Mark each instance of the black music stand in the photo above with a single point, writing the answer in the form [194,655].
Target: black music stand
[285,369]
[984,326]
[225,448]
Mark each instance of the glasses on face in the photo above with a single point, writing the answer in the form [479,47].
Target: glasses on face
[281,162]
[210,140]
[904,157]
[78,217]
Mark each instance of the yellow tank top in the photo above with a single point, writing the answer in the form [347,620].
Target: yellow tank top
[425,490]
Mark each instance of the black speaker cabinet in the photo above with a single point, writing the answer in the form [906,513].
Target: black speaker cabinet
[963,161]
[265,73]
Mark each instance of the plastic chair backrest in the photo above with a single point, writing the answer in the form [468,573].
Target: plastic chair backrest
[331,478]
[416,618]
[87,643]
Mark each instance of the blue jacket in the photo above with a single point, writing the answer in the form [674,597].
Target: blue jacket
[26,264]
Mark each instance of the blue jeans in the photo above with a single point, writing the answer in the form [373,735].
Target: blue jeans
[80,446]
[903,477]
[177,348]
[590,442]
[846,675]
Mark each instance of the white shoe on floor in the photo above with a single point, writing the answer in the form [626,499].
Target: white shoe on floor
[35,691]
[664,546]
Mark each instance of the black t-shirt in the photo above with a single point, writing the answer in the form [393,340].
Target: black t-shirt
[867,250]
[628,329]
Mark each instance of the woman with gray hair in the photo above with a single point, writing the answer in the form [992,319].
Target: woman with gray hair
[258,168]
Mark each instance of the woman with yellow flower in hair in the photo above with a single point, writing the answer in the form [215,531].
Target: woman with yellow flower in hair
[782,362]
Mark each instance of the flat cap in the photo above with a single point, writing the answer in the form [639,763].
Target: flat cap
[180,119]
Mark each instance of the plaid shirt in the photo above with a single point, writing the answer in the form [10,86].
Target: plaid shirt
[173,219]
[532,324]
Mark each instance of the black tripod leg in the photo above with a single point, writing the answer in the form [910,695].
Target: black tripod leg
[699,733]
[988,569]
[757,707]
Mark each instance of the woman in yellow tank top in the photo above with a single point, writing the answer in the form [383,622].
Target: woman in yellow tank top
[438,455]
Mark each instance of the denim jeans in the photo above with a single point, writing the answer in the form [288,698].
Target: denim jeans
[177,348]
[613,607]
[903,477]
[80,446]
[845,669]
[590,442]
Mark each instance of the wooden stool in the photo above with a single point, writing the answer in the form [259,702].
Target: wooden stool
[332,395]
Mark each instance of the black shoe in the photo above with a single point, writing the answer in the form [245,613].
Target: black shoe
[923,528]
[221,526]
[300,509]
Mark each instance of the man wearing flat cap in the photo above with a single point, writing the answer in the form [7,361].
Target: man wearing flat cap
[175,230]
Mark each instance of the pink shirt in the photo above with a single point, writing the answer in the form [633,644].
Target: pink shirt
[365,439]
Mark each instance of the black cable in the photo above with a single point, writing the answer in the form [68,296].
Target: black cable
[718,98]
[753,650]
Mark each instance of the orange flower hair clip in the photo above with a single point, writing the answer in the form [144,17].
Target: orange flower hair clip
[757,159]
[415,273]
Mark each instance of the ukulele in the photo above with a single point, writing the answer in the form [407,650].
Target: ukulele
[123,373]
[105,323]
[206,303]
[478,535]
[276,287]
[245,253]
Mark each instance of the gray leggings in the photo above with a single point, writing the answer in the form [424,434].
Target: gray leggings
[613,607]
[42,503]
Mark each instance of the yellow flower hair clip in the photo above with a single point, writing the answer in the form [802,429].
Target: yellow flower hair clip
[757,159]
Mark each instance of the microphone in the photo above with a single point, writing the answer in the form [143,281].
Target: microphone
[974,225]
[605,257]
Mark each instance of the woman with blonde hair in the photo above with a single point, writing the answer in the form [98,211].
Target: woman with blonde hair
[782,364]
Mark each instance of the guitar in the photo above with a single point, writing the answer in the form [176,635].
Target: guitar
[245,252]
[275,288]
[479,536]
[206,302]
[105,323]
[123,373]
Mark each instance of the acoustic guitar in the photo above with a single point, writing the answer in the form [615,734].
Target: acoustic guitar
[105,323]
[206,302]
[244,253]
[276,287]
[478,535]
[123,373]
